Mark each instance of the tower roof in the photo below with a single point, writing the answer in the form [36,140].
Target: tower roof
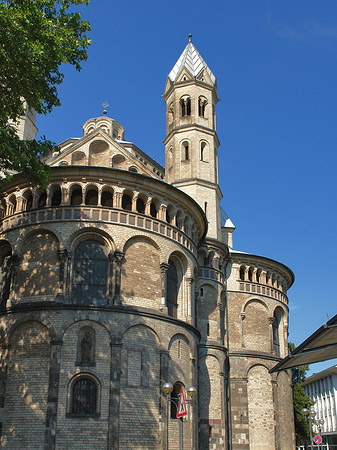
[192,61]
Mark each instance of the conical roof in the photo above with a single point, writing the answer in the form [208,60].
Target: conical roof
[192,61]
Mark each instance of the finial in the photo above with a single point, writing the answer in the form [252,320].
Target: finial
[190,37]
[105,105]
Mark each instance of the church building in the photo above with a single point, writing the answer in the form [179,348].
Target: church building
[121,277]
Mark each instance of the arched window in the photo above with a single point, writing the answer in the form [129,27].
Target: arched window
[28,200]
[42,200]
[90,272]
[56,197]
[202,106]
[185,104]
[126,202]
[276,332]
[175,397]
[84,397]
[140,205]
[153,210]
[250,274]
[76,196]
[11,205]
[186,154]
[203,152]
[91,197]
[172,290]
[258,275]
[107,199]
[242,273]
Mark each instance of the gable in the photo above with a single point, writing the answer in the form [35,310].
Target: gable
[101,150]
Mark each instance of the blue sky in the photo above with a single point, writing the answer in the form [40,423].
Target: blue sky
[276,68]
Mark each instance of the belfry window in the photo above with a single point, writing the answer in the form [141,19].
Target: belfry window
[84,397]
[185,104]
[202,106]
[186,152]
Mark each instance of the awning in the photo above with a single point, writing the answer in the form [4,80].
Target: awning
[320,346]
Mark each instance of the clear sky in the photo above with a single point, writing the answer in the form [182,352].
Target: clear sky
[276,69]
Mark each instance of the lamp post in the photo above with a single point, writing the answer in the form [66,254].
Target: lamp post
[168,389]
[319,423]
[309,416]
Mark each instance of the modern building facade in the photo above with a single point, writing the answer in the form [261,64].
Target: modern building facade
[121,276]
[321,388]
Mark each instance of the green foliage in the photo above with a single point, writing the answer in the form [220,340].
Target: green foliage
[36,37]
[300,400]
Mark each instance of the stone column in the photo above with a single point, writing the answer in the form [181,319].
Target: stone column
[63,256]
[14,265]
[53,389]
[110,293]
[243,316]
[134,201]
[117,200]
[190,301]
[119,257]
[271,320]
[163,276]
[114,398]
[35,200]
[148,206]
[162,212]
[164,413]
[65,199]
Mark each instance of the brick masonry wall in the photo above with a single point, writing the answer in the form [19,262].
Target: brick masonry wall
[26,388]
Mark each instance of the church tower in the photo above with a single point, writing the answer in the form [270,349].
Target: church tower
[191,143]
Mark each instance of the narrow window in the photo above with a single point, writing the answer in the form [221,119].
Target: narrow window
[186,152]
[207,328]
[201,292]
[202,105]
[258,276]
[206,209]
[250,274]
[183,107]
[175,397]
[179,349]
[188,107]
[84,398]
[29,202]
[242,273]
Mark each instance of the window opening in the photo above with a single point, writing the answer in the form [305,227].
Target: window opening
[140,205]
[76,197]
[106,199]
[175,397]
[153,210]
[126,202]
[207,328]
[186,152]
[172,290]
[42,200]
[56,198]
[84,397]
[91,197]
[242,273]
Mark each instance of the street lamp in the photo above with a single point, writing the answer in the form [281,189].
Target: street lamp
[319,423]
[168,389]
[309,416]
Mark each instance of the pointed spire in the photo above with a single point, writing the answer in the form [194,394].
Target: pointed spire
[192,61]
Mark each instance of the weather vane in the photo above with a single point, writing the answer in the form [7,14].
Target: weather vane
[105,105]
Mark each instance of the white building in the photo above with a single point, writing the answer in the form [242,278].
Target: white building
[321,388]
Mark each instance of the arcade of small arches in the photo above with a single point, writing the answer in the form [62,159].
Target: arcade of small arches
[260,276]
[107,196]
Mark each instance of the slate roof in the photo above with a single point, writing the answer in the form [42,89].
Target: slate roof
[192,61]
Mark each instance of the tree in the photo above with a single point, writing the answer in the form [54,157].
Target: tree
[300,400]
[36,37]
